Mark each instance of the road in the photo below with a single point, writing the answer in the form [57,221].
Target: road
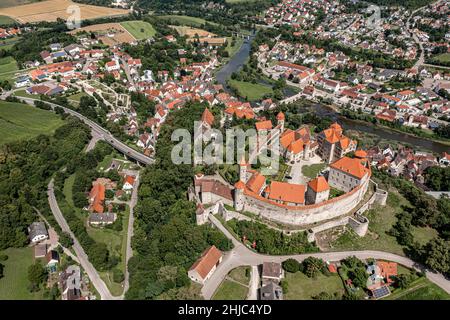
[129,253]
[254,284]
[98,283]
[242,256]
[99,131]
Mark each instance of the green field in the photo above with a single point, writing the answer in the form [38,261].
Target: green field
[423,234]
[381,220]
[444,57]
[186,20]
[5,20]
[7,44]
[139,29]
[313,170]
[250,91]
[421,289]
[13,286]
[19,121]
[13,3]
[300,287]
[8,66]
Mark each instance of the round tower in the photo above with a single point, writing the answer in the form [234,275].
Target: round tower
[239,196]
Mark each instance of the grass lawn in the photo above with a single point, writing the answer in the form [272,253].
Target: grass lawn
[250,91]
[105,163]
[186,20]
[13,286]
[420,289]
[230,290]
[241,274]
[139,29]
[313,170]
[444,57]
[23,93]
[423,234]
[381,220]
[67,190]
[300,287]
[77,96]
[19,121]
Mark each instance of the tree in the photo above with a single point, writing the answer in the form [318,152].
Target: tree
[403,281]
[65,240]
[323,296]
[359,277]
[36,274]
[1,270]
[438,255]
[313,266]
[291,265]
[118,275]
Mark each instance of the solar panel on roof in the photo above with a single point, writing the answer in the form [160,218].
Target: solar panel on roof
[381,292]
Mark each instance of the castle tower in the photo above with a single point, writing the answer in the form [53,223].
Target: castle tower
[281,118]
[201,215]
[243,170]
[239,196]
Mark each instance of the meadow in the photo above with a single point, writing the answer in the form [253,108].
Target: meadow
[140,30]
[19,122]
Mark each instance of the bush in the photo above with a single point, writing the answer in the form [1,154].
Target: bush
[118,275]
[3,257]
[284,285]
[291,265]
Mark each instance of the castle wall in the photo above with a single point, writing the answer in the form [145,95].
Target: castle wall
[308,214]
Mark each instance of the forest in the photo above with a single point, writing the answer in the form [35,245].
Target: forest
[25,169]
[166,239]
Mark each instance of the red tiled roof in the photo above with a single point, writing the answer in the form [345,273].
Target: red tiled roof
[209,258]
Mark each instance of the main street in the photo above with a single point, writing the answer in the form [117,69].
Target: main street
[243,256]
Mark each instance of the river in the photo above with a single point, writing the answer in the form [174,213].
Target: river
[241,56]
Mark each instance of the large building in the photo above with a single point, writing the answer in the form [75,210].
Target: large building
[318,190]
[333,144]
[348,173]
[205,266]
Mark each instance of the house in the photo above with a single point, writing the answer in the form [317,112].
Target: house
[388,270]
[285,193]
[205,266]
[96,198]
[129,183]
[333,144]
[37,232]
[101,219]
[70,283]
[271,291]
[52,258]
[445,159]
[271,272]
[112,66]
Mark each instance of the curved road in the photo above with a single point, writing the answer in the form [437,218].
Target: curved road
[242,256]
[98,283]
[101,133]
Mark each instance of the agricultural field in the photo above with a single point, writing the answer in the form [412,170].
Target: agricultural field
[420,289]
[250,91]
[14,284]
[8,67]
[19,121]
[51,10]
[7,44]
[5,20]
[191,32]
[186,20]
[110,34]
[140,30]
[13,3]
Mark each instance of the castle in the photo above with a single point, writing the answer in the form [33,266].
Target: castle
[334,192]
